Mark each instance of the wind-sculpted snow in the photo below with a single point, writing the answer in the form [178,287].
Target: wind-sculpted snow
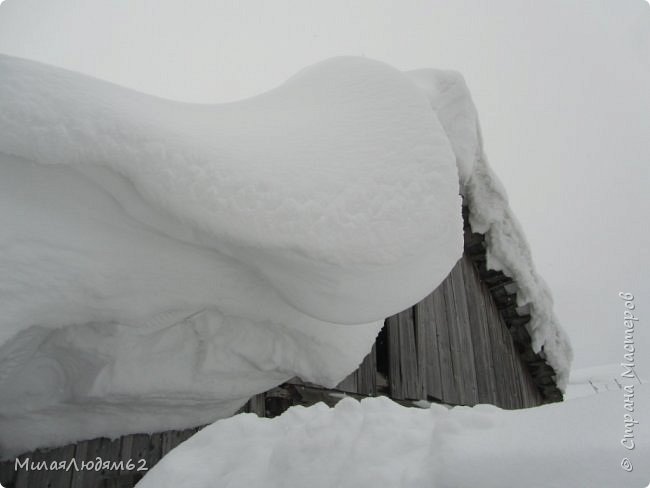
[451,101]
[161,262]
[376,442]
[341,172]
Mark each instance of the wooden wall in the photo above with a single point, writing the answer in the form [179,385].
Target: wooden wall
[452,347]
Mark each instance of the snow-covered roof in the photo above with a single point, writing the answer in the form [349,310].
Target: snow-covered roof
[490,214]
[163,261]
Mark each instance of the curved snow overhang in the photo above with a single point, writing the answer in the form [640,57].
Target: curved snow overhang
[225,247]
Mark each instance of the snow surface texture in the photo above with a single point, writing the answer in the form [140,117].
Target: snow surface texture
[379,443]
[162,262]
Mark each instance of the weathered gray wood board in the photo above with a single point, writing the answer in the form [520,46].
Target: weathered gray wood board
[455,347]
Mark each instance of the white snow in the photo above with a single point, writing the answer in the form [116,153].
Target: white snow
[341,170]
[162,262]
[450,99]
[376,442]
[599,379]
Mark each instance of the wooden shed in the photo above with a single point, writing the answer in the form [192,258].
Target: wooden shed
[465,343]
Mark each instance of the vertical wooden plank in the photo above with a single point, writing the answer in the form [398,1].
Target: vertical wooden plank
[428,339]
[21,479]
[503,349]
[87,452]
[8,472]
[90,451]
[170,439]
[382,362]
[402,356]
[504,396]
[257,404]
[462,355]
[479,324]
[421,331]
[121,481]
[367,374]
[109,450]
[515,372]
[530,394]
[83,452]
[135,447]
[126,447]
[518,374]
[150,451]
[394,374]
[533,395]
[466,346]
[501,364]
[408,356]
[142,451]
[449,390]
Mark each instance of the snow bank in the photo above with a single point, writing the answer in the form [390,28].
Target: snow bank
[379,443]
[490,214]
[161,262]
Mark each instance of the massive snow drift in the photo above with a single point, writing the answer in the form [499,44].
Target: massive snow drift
[161,262]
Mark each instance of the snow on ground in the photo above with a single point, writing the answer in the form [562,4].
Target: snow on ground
[379,443]
[599,379]
[162,262]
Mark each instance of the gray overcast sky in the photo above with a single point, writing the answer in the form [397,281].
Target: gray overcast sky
[562,89]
